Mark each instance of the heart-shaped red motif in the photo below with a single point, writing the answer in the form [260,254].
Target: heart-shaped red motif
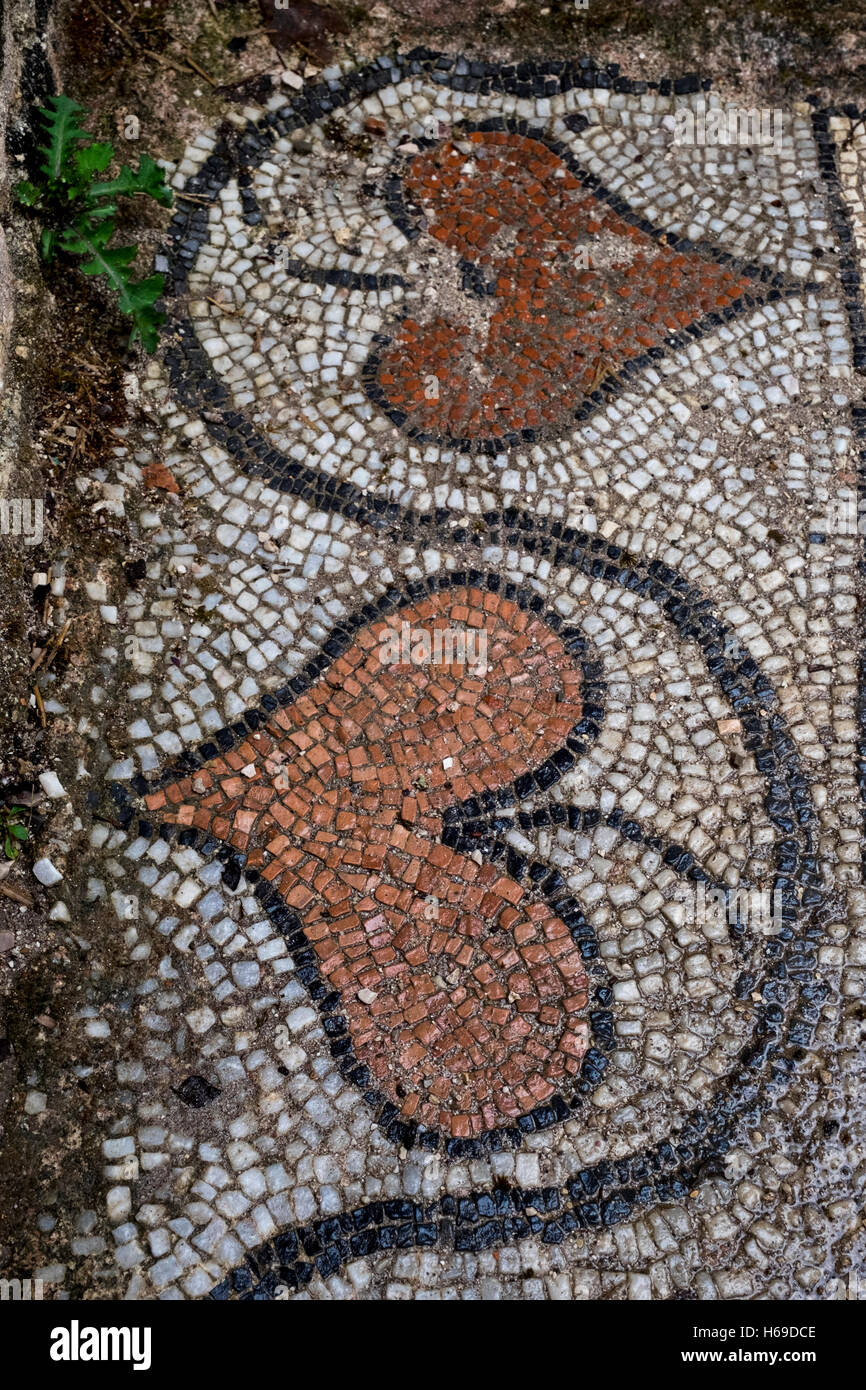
[567,292]
[464,997]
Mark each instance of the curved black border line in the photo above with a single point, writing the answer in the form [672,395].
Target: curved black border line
[608,1192]
[546,880]
[789,959]
[852,288]
[767,283]
[191,371]
[463,829]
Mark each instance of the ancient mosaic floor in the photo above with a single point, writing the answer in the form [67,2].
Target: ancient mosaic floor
[425,998]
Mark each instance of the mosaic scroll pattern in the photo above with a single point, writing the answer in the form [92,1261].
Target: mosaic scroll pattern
[425,983]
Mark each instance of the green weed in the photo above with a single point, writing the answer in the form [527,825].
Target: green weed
[77,208]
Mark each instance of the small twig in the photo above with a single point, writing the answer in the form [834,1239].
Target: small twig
[162,58]
[192,197]
[601,370]
[114,24]
[243,81]
[48,653]
[267,33]
[195,67]
[77,445]
[40,705]
[296,43]
[150,52]
[16,894]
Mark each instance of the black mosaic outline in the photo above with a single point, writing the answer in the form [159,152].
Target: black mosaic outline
[547,881]
[602,1195]
[343,279]
[466,831]
[769,286]
[191,372]
[787,957]
[852,283]
[608,1192]
[460,823]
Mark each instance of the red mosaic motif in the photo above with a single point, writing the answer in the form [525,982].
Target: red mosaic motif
[553,329]
[470,1015]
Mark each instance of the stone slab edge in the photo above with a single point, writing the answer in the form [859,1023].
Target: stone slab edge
[24,41]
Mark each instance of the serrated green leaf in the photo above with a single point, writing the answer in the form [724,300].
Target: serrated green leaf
[84,235]
[135,297]
[140,294]
[93,159]
[103,210]
[148,178]
[146,330]
[138,301]
[10,848]
[152,181]
[27,193]
[60,119]
[83,209]
[114,263]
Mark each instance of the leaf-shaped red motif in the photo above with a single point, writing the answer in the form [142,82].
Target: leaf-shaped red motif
[566,291]
[463,996]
